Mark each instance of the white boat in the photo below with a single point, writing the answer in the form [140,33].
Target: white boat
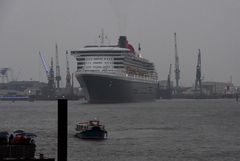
[91,130]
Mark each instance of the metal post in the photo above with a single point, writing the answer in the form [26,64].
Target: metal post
[62,129]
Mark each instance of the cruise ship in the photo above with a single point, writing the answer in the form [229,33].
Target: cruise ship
[115,73]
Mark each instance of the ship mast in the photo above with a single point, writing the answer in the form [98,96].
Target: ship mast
[58,77]
[177,70]
[102,37]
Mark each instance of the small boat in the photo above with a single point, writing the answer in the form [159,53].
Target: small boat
[91,130]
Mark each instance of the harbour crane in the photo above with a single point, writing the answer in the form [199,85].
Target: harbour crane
[50,76]
[177,70]
[58,76]
[169,88]
[198,81]
[68,76]
[46,68]
[169,77]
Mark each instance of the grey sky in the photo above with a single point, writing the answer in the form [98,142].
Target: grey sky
[27,27]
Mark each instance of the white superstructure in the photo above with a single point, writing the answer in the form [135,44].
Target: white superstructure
[114,61]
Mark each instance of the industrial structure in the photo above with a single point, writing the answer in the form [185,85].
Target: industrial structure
[51,82]
[4,74]
[218,88]
[165,89]
[68,76]
[169,90]
[58,76]
[50,90]
[169,78]
[177,70]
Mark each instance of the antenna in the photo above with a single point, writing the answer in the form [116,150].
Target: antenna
[102,37]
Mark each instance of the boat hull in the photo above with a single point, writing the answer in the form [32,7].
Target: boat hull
[111,89]
[92,134]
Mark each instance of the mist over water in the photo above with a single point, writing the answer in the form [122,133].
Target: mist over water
[169,130]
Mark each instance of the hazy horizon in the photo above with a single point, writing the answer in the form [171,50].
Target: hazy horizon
[28,27]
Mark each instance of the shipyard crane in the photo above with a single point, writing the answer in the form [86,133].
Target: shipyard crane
[177,70]
[169,88]
[169,77]
[50,75]
[198,81]
[58,77]
[46,68]
[68,76]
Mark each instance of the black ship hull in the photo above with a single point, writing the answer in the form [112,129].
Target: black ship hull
[111,89]
[92,134]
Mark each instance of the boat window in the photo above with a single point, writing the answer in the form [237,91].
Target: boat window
[118,58]
[80,63]
[79,59]
[118,62]
[98,58]
[118,66]
[97,62]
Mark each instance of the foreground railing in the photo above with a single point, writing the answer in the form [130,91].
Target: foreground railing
[17,151]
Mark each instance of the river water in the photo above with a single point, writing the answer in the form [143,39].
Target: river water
[164,130]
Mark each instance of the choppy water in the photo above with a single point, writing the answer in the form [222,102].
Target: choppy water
[165,130]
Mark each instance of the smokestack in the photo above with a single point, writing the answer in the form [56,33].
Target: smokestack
[122,42]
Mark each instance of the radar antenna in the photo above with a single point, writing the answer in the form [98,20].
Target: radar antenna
[102,37]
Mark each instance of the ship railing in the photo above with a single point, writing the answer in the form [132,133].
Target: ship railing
[144,77]
[122,74]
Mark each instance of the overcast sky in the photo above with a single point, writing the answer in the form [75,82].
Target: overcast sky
[27,27]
